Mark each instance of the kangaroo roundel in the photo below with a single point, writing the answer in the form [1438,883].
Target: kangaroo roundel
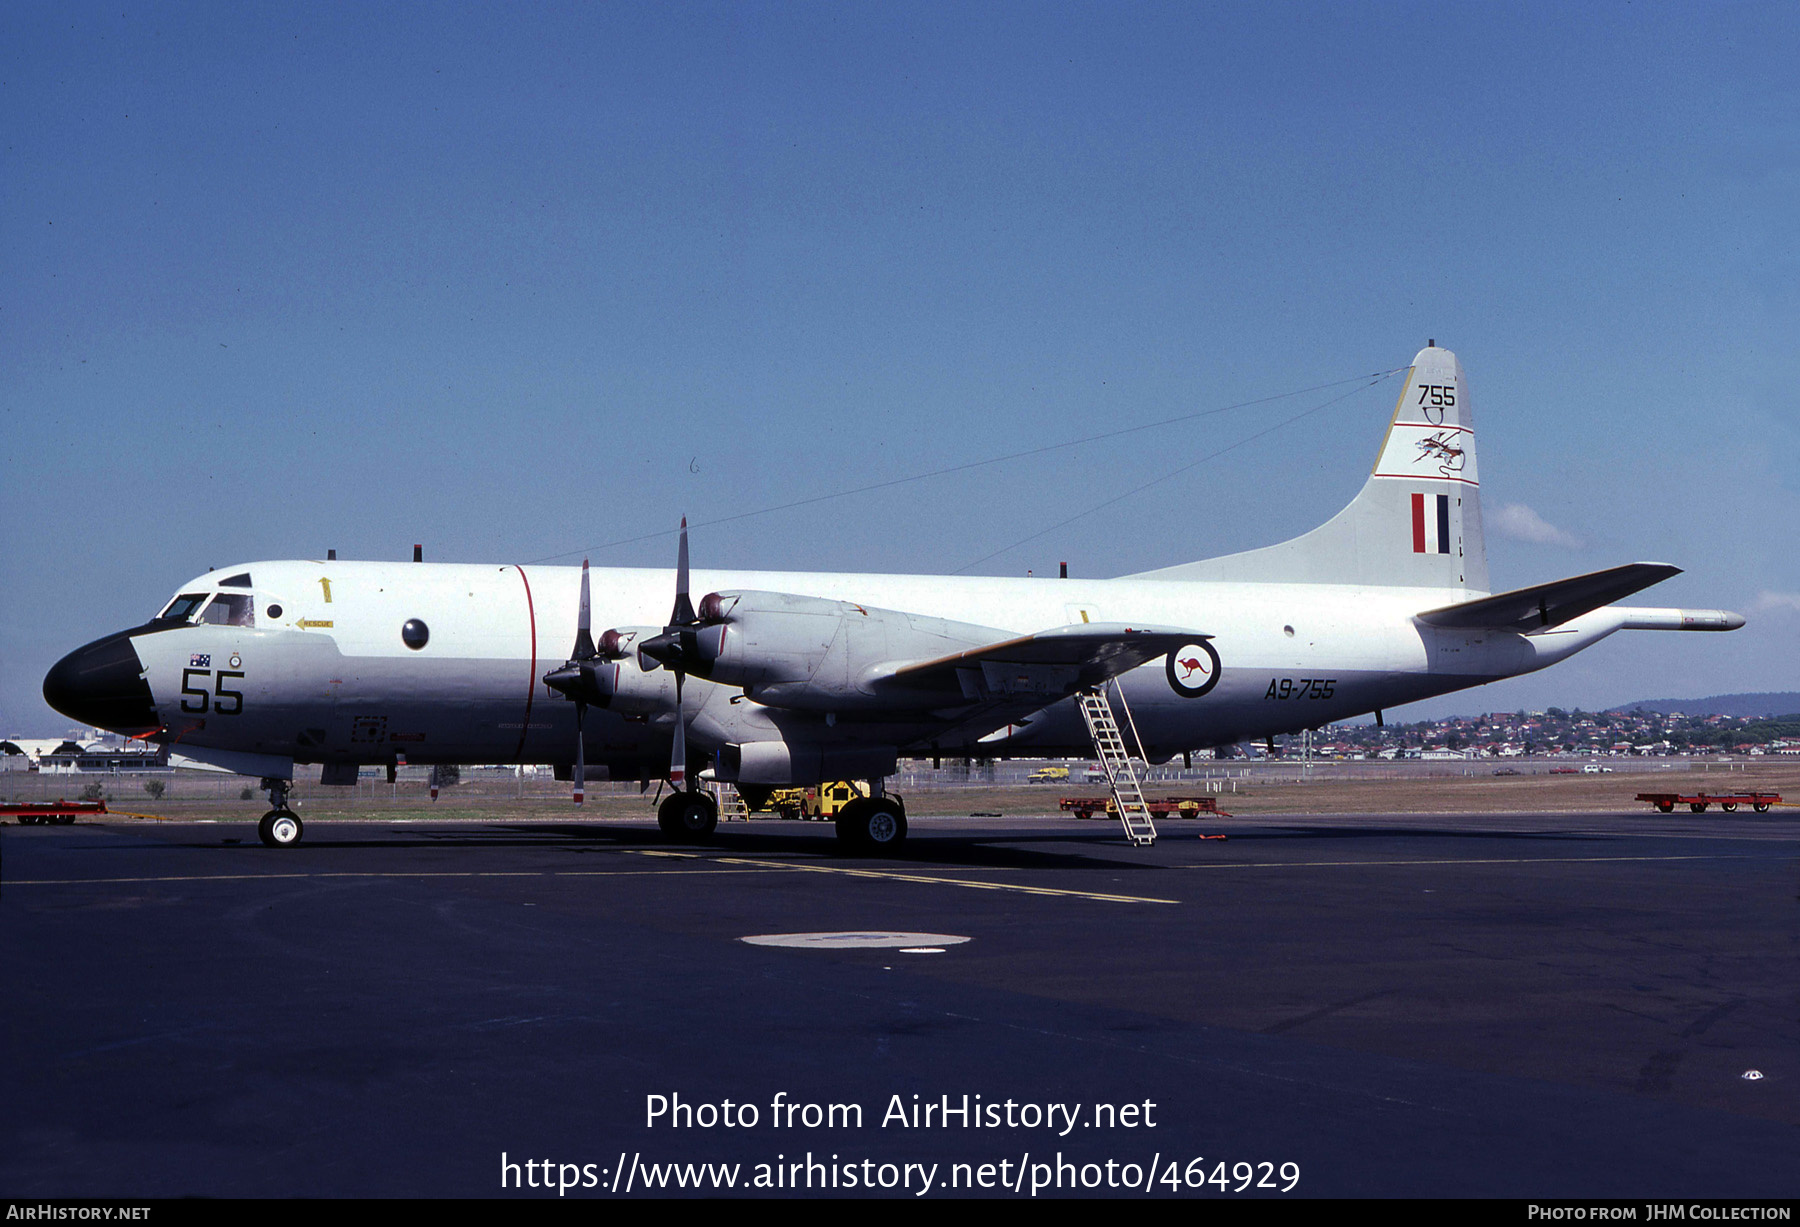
[1193,669]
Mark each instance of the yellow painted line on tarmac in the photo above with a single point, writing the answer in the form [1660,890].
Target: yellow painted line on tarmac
[893,876]
[731,865]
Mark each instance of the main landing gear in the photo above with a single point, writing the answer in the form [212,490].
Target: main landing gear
[872,824]
[687,816]
[280,827]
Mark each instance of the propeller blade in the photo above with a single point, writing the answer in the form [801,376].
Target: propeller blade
[575,681]
[683,614]
[572,680]
[673,650]
[584,638]
[678,763]
[580,754]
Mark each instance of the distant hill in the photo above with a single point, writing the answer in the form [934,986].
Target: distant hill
[1780,703]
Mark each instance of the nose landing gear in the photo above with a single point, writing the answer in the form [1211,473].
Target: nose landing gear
[280,827]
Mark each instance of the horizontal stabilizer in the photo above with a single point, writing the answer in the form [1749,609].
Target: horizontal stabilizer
[1552,604]
[1053,663]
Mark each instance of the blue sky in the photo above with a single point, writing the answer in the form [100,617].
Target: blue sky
[520,281]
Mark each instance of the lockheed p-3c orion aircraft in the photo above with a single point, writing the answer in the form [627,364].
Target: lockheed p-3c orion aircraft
[777,679]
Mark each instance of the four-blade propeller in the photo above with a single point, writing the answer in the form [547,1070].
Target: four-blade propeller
[676,650]
[576,680]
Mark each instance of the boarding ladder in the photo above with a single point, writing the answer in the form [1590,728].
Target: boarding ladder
[731,804]
[1121,777]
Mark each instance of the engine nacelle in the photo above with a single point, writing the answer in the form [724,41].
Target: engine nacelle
[747,638]
[621,683]
[785,764]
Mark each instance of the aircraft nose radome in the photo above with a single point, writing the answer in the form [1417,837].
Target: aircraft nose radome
[103,684]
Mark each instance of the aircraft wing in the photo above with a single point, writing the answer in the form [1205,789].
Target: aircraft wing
[1552,604]
[1048,665]
[985,688]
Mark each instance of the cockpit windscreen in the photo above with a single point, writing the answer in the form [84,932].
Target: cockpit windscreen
[221,609]
[230,609]
[182,607]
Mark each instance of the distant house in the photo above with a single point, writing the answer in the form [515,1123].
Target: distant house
[64,759]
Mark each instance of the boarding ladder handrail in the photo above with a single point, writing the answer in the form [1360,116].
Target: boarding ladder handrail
[1130,721]
[1115,760]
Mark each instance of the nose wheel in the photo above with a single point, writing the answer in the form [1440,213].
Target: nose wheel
[280,827]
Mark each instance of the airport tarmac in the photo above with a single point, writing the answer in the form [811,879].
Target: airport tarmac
[1544,1005]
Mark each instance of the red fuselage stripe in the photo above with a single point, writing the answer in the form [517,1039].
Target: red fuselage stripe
[530,682]
[1418,504]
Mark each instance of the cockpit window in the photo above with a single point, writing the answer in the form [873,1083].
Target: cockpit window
[230,609]
[240,580]
[182,607]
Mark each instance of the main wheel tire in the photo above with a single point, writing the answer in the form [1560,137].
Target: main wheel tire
[280,828]
[871,825]
[852,826]
[687,816]
[884,830]
[698,817]
[667,819]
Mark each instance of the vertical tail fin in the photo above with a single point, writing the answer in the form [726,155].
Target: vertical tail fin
[1417,521]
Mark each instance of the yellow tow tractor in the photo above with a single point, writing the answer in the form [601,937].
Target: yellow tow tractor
[822,802]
